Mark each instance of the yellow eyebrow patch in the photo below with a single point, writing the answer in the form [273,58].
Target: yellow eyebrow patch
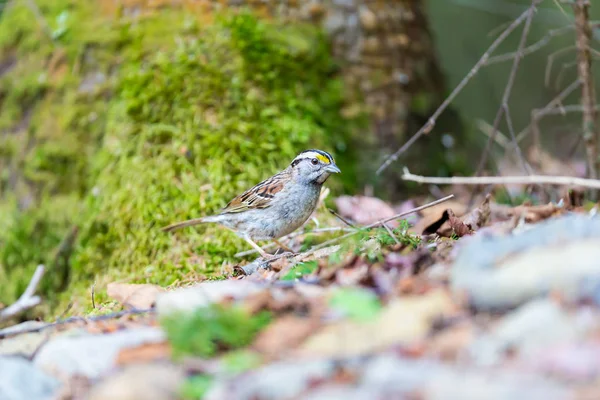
[323,159]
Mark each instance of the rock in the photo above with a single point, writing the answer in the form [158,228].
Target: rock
[282,380]
[403,320]
[384,377]
[529,330]
[556,255]
[578,361]
[91,355]
[204,294]
[22,380]
[392,377]
[141,382]
[24,344]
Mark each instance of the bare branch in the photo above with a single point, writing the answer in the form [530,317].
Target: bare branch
[293,235]
[28,299]
[504,180]
[482,61]
[509,85]
[544,41]
[588,94]
[551,104]
[373,225]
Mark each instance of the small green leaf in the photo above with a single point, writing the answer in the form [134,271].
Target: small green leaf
[195,387]
[300,270]
[358,304]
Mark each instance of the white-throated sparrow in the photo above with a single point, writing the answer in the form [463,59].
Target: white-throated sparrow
[276,206]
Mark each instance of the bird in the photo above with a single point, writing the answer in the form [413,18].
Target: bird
[276,206]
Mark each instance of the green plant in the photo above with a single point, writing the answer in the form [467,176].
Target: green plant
[208,330]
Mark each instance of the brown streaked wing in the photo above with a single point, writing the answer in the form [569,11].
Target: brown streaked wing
[259,196]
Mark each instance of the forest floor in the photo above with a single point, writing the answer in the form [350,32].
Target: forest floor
[497,302]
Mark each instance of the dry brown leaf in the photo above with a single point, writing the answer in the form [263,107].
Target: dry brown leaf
[434,217]
[404,320]
[480,216]
[145,353]
[536,213]
[286,333]
[364,210]
[449,343]
[140,296]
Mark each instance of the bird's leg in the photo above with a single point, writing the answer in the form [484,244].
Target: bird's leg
[283,246]
[256,247]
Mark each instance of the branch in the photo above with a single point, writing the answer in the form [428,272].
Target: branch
[28,299]
[588,95]
[551,104]
[432,120]
[533,47]
[380,223]
[504,180]
[373,225]
[509,85]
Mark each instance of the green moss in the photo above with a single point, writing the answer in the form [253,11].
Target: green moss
[138,123]
[207,331]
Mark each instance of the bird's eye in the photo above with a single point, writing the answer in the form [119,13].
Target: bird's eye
[314,161]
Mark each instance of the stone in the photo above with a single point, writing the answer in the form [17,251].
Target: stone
[14,342]
[529,330]
[556,255]
[22,380]
[204,294]
[91,355]
[403,320]
[282,380]
[24,344]
[141,382]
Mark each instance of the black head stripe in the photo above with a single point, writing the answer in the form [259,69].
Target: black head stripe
[321,152]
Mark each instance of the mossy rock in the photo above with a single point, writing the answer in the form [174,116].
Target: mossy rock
[185,118]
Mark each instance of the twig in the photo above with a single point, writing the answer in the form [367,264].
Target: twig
[391,233]
[338,216]
[550,62]
[105,317]
[93,295]
[500,138]
[509,85]
[432,120]
[293,235]
[533,47]
[504,180]
[378,223]
[524,164]
[551,104]
[588,95]
[563,110]
[28,299]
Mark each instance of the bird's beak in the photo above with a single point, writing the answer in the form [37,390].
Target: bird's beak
[332,169]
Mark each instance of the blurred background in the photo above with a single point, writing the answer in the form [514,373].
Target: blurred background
[120,116]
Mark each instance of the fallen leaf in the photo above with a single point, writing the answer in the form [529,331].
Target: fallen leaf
[403,320]
[140,296]
[147,352]
[449,343]
[433,215]
[480,216]
[286,333]
[365,210]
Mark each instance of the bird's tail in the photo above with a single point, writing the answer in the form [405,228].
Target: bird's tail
[189,222]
